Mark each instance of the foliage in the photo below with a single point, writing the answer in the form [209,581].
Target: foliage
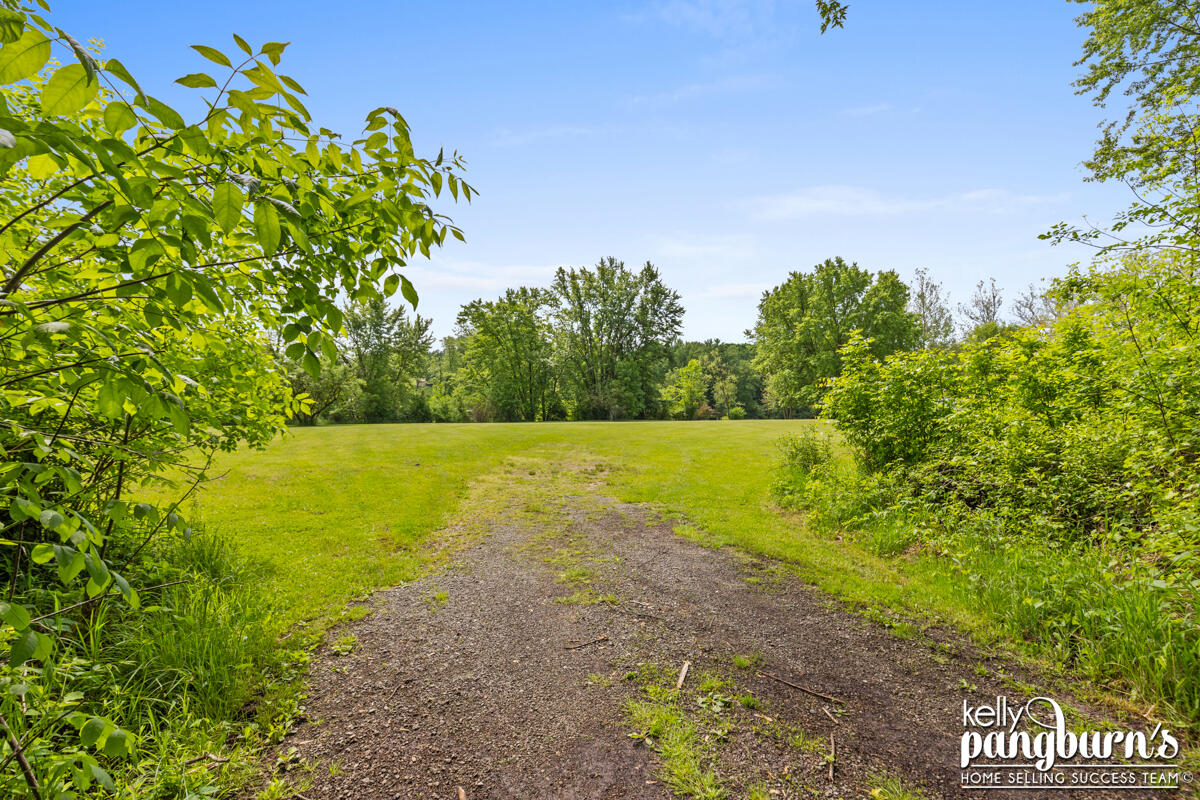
[804,322]
[335,391]
[928,302]
[735,386]
[1148,48]
[1072,444]
[147,257]
[685,390]
[984,308]
[509,358]
[388,353]
[612,329]
[1145,47]
[1083,431]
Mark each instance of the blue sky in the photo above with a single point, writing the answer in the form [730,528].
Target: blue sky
[726,141]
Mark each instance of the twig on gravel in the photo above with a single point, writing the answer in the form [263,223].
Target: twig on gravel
[832,756]
[832,718]
[682,675]
[800,688]
[585,644]
[462,794]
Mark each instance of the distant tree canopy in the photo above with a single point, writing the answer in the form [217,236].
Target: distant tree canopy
[613,327]
[509,354]
[805,321]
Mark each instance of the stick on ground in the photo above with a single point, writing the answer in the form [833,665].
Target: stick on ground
[585,644]
[801,688]
[682,675]
[832,756]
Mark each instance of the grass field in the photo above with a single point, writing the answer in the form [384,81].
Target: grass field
[331,513]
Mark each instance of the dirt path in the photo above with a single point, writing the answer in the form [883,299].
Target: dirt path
[557,630]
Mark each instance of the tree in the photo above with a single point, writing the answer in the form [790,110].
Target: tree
[1151,50]
[1035,309]
[685,390]
[509,353]
[335,391]
[388,351]
[145,258]
[928,302]
[985,305]
[736,387]
[805,321]
[612,330]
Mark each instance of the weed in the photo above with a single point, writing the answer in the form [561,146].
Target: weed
[344,646]
[749,701]
[889,787]
[748,662]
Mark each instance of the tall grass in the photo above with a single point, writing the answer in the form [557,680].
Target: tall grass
[197,668]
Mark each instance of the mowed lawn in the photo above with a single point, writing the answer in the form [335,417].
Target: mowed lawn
[331,513]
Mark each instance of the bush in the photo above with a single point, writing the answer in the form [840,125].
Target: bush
[805,450]
[1054,469]
[1084,430]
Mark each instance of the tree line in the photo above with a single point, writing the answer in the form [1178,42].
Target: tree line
[603,343]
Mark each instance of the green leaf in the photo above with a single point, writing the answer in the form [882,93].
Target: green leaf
[24,57]
[117,69]
[266,226]
[92,730]
[179,419]
[213,54]
[97,569]
[42,553]
[118,743]
[166,115]
[197,80]
[118,117]
[51,519]
[12,23]
[242,44]
[86,59]
[310,363]
[409,291]
[102,777]
[16,615]
[227,206]
[23,648]
[126,590]
[70,562]
[274,50]
[287,208]
[68,90]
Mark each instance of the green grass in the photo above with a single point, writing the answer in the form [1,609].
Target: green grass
[331,513]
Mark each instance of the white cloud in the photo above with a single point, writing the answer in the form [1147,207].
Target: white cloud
[506,137]
[721,19]
[737,84]
[867,111]
[693,248]
[476,275]
[855,200]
